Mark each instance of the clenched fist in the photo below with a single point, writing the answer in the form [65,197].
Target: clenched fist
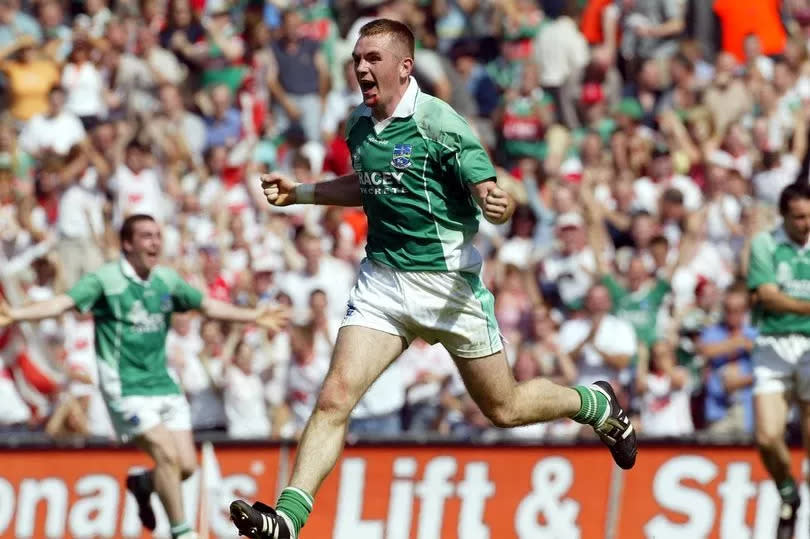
[497,205]
[278,189]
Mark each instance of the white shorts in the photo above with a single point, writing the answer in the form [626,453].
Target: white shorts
[782,365]
[450,307]
[134,415]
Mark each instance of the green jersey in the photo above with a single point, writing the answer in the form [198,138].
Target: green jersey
[639,308]
[415,171]
[131,322]
[776,259]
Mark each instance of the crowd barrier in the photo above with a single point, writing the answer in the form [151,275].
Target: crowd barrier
[404,491]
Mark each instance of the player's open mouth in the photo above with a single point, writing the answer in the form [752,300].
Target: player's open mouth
[367,87]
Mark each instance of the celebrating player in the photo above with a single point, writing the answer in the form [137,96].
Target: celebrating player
[779,275]
[132,301]
[419,173]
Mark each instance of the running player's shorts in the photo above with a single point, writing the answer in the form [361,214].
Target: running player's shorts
[452,307]
[782,364]
[132,416]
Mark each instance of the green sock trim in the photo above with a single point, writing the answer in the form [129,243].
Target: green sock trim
[788,490]
[593,406]
[295,504]
[180,529]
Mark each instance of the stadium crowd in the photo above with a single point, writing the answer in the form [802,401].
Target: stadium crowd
[646,142]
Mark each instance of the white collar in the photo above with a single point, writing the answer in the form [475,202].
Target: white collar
[129,272]
[404,109]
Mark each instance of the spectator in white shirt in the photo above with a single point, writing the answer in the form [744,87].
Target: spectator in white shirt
[665,393]
[245,406]
[561,53]
[723,210]
[84,84]
[782,168]
[57,131]
[569,269]
[306,374]
[87,413]
[196,357]
[425,370]
[600,344]
[80,223]
[136,187]
[662,176]
[14,412]
[320,271]
[272,363]
[326,329]
[379,411]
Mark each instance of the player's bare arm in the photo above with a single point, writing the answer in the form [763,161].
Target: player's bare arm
[772,299]
[280,190]
[35,311]
[271,317]
[496,203]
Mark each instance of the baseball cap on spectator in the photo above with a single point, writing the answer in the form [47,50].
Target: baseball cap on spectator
[570,220]
[630,107]
[592,94]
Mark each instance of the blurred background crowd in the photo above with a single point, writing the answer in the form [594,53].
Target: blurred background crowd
[645,141]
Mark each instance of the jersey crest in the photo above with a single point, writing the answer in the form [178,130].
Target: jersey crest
[143,321]
[402,156]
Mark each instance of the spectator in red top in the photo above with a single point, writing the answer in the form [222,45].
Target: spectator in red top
[216,284]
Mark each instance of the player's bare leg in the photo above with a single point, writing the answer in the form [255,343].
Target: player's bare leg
[360,357]
[175,460]
[508,403]
[186,452]
[771,411]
